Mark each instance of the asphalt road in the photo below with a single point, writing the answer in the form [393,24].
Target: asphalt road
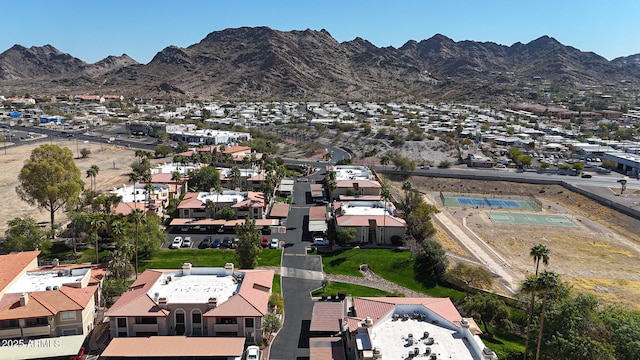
[301,274]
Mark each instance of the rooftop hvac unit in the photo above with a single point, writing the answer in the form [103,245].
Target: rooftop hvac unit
[368,321]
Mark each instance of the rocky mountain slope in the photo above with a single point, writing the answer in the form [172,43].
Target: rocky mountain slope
[264,64]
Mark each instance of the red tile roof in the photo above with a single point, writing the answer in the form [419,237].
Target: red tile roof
[318,213]
[330,348]
[327,316]
[46,303]
[279,210]
[237,149]
[13,264]
[136,301]
[378,307]
[175,346]
[253,298]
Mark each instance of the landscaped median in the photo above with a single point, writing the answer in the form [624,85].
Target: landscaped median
[173,259]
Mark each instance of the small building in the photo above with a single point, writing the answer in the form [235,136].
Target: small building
[208,302]
[53,305]
[374,221]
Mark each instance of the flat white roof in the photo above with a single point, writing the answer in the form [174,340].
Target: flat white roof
[365,208]
[352,172]
[137,193]
[41,280]
[223,197]
[390,337]
[196,288]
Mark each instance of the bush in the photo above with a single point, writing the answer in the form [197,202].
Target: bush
[444,164]
[85,153]
[397,240]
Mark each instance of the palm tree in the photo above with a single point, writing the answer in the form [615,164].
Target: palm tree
[92,172]
[177,177]
[235,175]
[406,187]
[328,155]
[546,283]
[96,222]
[384,161]
[136,215]
[134,177]
[539,253]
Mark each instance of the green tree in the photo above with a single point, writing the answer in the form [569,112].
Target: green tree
[489,308]
[538,253]
[50,179]
[546,283]
[204,179]
[470,275]
[92,172]
[227,213]
[271,323]
[430,264]
[24,234]
[346,235]
[136,216]
[162,151]
[96,223]
[248,244]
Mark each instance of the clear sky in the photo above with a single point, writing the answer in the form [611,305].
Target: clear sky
[93,30]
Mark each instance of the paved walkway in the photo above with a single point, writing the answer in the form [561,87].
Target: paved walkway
[481,250]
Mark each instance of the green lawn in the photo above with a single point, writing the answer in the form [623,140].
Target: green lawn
[350,290]
[174,258]
[393,265]
[276,288]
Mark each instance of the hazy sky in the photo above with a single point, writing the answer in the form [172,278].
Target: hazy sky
[93,30]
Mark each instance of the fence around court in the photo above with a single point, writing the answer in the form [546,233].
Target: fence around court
[511,202]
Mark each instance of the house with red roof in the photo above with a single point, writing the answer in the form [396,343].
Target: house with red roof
[374,222]
[57,302]
[396,328]
[194,302]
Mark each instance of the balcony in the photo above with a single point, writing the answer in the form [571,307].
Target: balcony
[11,333]
[145,328]
[33,331]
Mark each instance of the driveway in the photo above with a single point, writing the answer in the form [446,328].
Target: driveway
[300,274]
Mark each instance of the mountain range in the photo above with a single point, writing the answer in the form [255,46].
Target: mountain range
[259,63]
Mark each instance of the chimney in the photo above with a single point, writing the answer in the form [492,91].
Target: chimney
[162,301]
[186,269]
[24,299]
[213,302]
[228,267]
[464,323]
[55,262]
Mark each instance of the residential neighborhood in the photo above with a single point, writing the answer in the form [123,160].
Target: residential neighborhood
[231,190]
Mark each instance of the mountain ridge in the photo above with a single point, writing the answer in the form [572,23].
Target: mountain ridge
[262,63]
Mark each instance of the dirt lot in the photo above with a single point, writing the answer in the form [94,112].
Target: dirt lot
[599,256]
[114,167]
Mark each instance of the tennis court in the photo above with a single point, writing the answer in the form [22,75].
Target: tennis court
[494,203]
[530,219]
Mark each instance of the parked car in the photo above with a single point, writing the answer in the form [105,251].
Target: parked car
[320,241]
[177,242]
[216,243]
[226,243]
[186,242]
[206,243]
[265,242]
[184,229]
[253,353]
[274,244]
